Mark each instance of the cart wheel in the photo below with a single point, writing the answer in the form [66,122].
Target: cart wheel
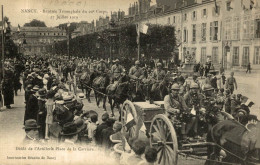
[164,139]
[129,108]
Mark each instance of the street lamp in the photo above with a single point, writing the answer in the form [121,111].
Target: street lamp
[112,36]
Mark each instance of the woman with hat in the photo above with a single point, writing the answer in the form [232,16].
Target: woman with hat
[32,105]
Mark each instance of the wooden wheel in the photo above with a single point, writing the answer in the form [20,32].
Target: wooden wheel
[164,139]
[129,108]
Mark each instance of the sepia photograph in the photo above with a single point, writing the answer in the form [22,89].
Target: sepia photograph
[129,82]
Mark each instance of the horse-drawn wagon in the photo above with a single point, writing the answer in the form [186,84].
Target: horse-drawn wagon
[164,134]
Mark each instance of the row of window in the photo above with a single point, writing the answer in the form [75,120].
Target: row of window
[204,14]
[202,28]
[235,56]
[214,57]
[250,28]
[53,34]
[245,56]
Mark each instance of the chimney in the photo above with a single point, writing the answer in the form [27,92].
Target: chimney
[129,10]
[136,8]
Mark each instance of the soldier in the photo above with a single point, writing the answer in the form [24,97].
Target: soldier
[101,67]
[157,75]
[193,101]
[175,104]
[116,70]
[135,72]
[212,106]
[231,83]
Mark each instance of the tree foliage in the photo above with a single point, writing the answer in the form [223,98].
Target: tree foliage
[122,42]
[35,23]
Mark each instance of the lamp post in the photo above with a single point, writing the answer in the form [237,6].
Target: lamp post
[112,35]
[68,41]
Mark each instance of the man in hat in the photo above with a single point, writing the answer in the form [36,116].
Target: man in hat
[32,131]
[32,105]
[41,116]
[116,70]
[8,90]
[135,72]
[70,131]
[231,83]
[101,67]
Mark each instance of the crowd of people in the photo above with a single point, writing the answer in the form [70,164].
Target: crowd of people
[54,106]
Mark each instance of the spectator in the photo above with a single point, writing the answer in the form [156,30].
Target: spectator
[49,108]
[201,70]
[138,147]
[92,126]
[248,68]
[150,157]
[100,128]
[105,134]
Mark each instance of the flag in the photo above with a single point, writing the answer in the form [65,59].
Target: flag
[199,1]
[19,28]
[130,122]
[143,28]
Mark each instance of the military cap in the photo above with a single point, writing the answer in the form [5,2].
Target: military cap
[159,64]
[194,86]
[207,87]
[175,86]
[137,62]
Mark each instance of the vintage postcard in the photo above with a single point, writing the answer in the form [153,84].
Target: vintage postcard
[129,82]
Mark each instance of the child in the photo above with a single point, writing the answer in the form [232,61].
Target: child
[150,157]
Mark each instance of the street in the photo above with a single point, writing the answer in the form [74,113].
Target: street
[11,121]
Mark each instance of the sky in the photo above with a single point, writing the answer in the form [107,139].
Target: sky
[55,12]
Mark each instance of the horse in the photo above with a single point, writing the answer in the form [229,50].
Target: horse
[236,143]
[161,90]
[100,84]
[118,92]
[86,81]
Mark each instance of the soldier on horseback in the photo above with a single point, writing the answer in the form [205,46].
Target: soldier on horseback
[116,70]
[101,67]
[157,76]
[135,72]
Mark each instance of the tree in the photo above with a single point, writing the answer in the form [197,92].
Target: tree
[158,43]
[35,23]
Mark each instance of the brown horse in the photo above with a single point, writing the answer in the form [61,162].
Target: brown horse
[86,81]
[100,84]
[236,143]
[118,92]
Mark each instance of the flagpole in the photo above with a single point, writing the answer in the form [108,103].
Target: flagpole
[3,56]
[138,39]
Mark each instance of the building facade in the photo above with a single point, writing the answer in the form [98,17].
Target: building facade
[241,35]
[36,40]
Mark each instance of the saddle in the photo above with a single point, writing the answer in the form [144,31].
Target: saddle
[112,87]
[97,81]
